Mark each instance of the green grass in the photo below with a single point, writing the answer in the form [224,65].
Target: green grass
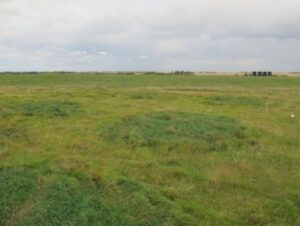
[177,130]
[83,149]
[40,108]
[117,81]
[233,100]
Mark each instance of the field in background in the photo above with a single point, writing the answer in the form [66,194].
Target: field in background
[120,150]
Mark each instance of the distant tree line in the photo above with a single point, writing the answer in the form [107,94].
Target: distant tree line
[183,73]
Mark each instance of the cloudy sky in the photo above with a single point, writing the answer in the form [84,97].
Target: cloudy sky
[162,35]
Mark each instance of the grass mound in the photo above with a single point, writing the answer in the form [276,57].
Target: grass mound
[46,108]
[31,197]
[234,100]
[200,131]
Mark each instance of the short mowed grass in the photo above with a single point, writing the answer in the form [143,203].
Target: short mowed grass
[133,150]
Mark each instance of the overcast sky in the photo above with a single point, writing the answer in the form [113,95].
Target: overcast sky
[161,35]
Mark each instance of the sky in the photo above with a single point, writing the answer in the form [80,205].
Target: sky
[149,35]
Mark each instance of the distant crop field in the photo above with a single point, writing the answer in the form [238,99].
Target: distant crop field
[149,150]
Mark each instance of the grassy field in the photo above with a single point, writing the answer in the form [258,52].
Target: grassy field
[129,150]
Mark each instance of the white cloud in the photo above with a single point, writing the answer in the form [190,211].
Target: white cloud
[103,53]
[170,34]
[143,57]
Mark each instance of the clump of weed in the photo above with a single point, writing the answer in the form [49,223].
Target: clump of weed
[47,108]
[16,187]
[34,196]
[158,209]
[234,100]
[191,130]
